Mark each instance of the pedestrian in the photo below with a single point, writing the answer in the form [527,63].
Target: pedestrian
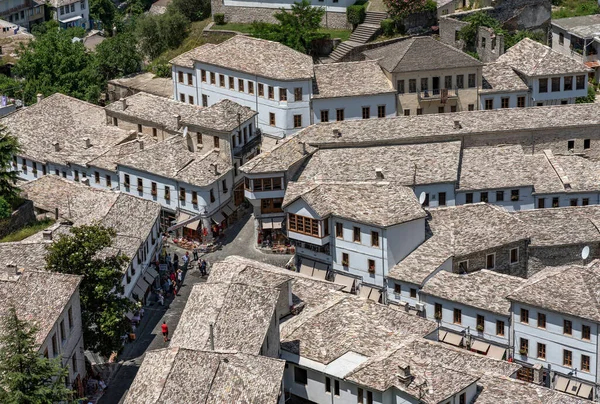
[165,331]
[172,276]
[185,259]
[179,277]
[161,299]
[175,262]
[195,251]
[203,268]
[168,259]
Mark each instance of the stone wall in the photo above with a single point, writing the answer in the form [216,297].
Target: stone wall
[489,45]
[477,261]
[251,14]
[418,23]
[540,257]
[356,54]
[19,218]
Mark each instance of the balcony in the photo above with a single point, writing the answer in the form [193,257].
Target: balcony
[441,95]
[25,5]
[239,151]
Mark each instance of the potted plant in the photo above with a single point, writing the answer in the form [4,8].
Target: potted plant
[479,327]
[438,315]
[523,351]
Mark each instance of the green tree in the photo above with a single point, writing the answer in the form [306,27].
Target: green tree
[193,10]
[85,252]
[591,97]
[26,377]
[105,11]
[9,147]
[118,56]
[399,9]
[157,33]
[55,62]
[173,28]
[468,33]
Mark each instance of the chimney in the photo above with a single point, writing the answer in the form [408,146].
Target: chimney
[404,373]
[141,142]
[457,125]
[123,104]
[55,213]
[56,145]
[336,133]
[379,173]
[216,168]
[87,142]
[177,121]
[40,97]
[211,336]
[303,148]
[47,235]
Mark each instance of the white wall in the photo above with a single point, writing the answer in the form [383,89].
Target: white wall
[497,99]
[565,199]
[186,88]
[525,201]
[352,106]
[555,97]
[74,9]
[434,190]
[402,239]
[339,6]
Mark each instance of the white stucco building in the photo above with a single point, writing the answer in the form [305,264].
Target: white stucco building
[577,38]
[71,13]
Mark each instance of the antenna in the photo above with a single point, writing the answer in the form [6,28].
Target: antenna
[185,132]
[422,197]
[585,253]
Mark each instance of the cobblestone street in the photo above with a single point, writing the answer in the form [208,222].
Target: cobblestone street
[238,241]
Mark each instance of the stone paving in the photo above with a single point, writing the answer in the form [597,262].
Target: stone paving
[238,241]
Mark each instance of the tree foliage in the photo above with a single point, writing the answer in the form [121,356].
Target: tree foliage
[26,376]
[104,11]
[590,98]
[193,10]
[297,27]
[399,9]
[118,56]
[157,33]
[9,147]
[468,33]
[83,252]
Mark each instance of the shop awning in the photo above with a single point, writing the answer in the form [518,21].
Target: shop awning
[561,383]
[306,267]
[229,208]
[319,274]
[375,295]
[347,281]
[453,339]
[585,391]
[137,290]
[218,217]
[496,352]
[370,293]
[152,272]
[182,217]
[441,335]
[71,19]
[365,291]
[573,387]
[480,346]
[193,225]
[274,223]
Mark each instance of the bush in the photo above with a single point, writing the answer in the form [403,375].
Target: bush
[430,6]
[5,208]
[388,27]
[219,19]
[356,14]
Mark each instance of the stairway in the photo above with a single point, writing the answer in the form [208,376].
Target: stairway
[361,35]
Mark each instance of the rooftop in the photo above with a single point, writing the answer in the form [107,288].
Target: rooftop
[382,203]
[587,26]
[570,289]
[148,83]
[485,290]
[187,59]
[68,121]
[255,56]
[490,167]
[501,78]
[235,309]
[420,53]
[25,255]
[39,297]
[168,374]
[288,152]
[350,79]
[531,58]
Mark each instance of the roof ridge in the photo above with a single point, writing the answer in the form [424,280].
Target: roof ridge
[412,41]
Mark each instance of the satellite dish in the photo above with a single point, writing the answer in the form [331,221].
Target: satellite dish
[422,197]
[585,252]
[185,131]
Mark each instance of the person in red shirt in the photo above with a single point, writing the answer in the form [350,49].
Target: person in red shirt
[165,331]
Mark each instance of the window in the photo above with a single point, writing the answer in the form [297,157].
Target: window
[521,102]
[543,83]
[271,205]
[241,87]
[271,92]
[339,114]
[182,194]
[360,395]
[525,316]
[366,112]
[541,320]
[356,235]
[297,121]
[489,104]
[345,259]
[63,333]
[324,115]
[541,351]
[203,75]
[261,90]
[586,144]
[585,202]
[96,177]
[298,94]
[182,97]
[555,84]
[127,181]
[413,293]
[568,83]
[483,42]
[585,363]
[369,397]
[375,239]
[407,112]
[441,110]
[514,195]
[567,358]
[204,100]
[212,78]
[194,198]
[154,189]
[573,202]
[412,85]
[452,108]
[499,196]
[70,317]
[483,197]
[283,94]
[442,198]
[327,385]
[460,81]
[448,82]
[304,225]
[371,264]
[561,38]
[541,203]
[180,77]
[216,141]
[585,332]
[438,311]
[490,261]
[300,375]
[457,316]
[499,328]
[424,83]
[469,197]
[480,323]
[472,80]
[400,86]
[504,102]
[140,185]
[212,195]
[190,100]
[74,362]
[471,107]
[54,346]
[555,202]
[419,111]
[580,82]
[339,230]
[167,193]
[108,181]
[231,83]
[524,346]
[567,327]
[250,87]
[190,79]
[514,255]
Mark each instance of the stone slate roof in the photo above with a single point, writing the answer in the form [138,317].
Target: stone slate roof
[258,57]
[435,163]
[490,167]
[108,160]
[350,79]
[27,254]
[171,375]
[570,289]
[586,26]
[381,204]
[148,83]
[485,290]
[172,159]
[503,390]
[287,153]
[222,116]
[501,78]
[68,121]
[573,225]
[187,59]
[234,309]
[543,175]
[39,297]
[241,270]
[533,59]
[420,53]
